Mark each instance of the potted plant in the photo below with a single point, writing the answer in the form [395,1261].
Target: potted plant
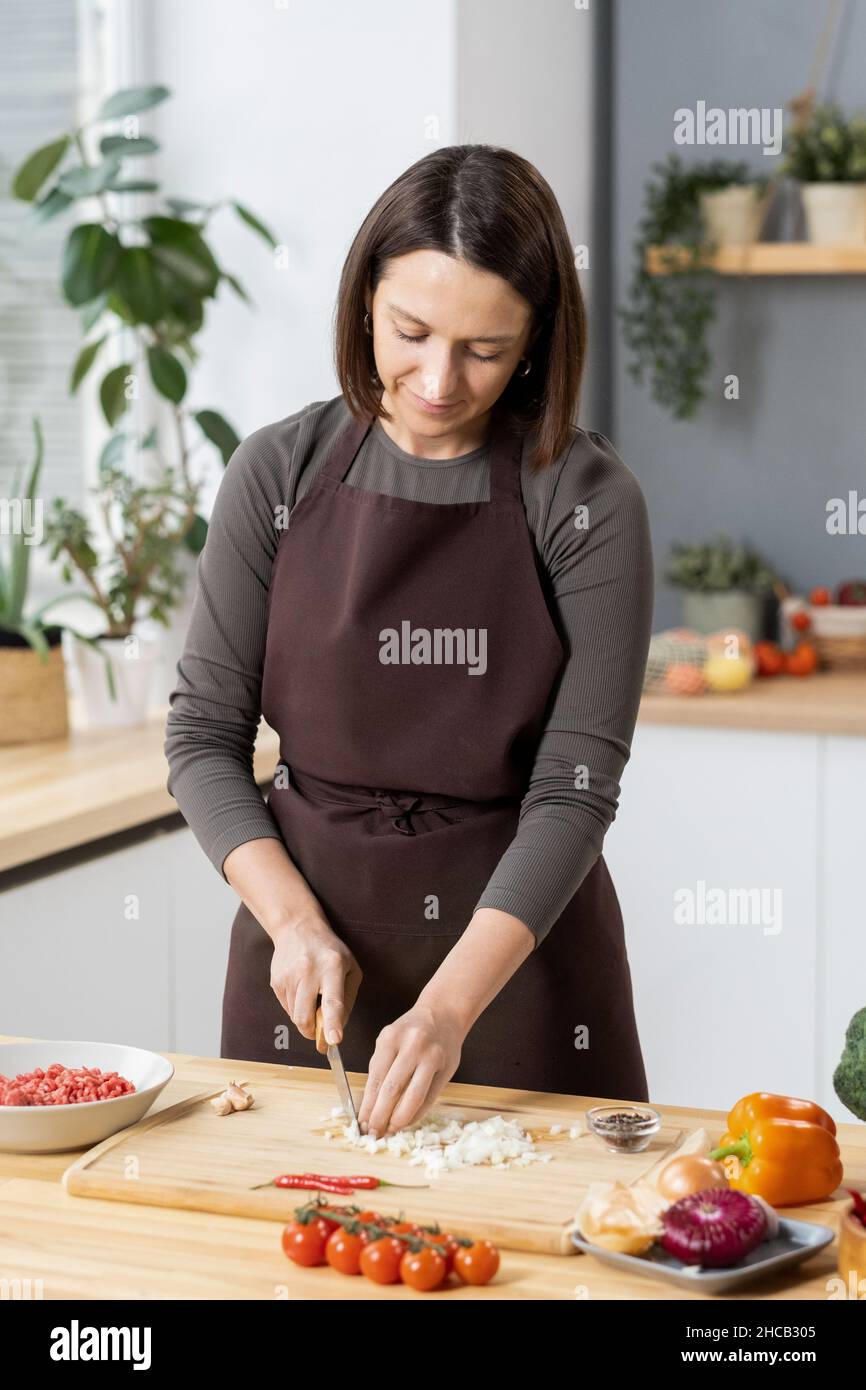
[666,318]
[733,215]
[139,578]
[142,283]
[827,154]
[32,672]
[725,586]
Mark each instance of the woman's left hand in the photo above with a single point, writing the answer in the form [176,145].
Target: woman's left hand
[415,1057]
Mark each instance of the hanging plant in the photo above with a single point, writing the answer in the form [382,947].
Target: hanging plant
[666,318]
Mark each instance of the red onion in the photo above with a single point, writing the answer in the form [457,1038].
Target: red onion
[715,1227]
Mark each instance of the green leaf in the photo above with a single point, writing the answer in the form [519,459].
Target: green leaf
[91,312]
[130,100]
[182,250]
[167,374]
[141,144]
[37,167]
[196,535]
[185,311]
[112,451]
[118,306]
[83,363]
[51,205]
[131,186]
[257,226]
[184,205]
[112,393]
[87,180]
[89,262]
[236,286]
[218,431]
[138,285]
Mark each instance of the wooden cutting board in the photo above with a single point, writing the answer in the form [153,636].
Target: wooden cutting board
[187,1156]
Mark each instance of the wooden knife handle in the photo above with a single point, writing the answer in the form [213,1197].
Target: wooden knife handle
[321,1045]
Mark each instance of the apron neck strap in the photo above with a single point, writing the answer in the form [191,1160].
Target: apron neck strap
[504,456]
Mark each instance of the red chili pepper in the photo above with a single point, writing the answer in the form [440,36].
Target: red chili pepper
[334,1182]
[311,1182]
[364,1182]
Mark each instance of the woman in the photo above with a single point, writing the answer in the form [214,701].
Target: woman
[449,636]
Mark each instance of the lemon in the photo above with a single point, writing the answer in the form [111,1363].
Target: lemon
[727,672]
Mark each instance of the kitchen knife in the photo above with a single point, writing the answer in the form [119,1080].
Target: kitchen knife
[337,1069]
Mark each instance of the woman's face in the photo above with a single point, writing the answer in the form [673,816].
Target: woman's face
[447,339]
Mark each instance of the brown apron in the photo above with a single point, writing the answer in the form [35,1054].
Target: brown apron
[404,779]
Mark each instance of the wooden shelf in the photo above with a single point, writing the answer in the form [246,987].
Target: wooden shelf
[768,258]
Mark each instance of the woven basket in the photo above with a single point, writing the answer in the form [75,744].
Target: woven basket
[841,653]
[32,695]
[838,632]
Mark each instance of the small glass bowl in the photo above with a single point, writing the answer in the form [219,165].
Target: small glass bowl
[630,1140]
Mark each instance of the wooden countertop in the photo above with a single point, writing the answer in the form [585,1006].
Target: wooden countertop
[87,1248]
[828,702]
[61,793]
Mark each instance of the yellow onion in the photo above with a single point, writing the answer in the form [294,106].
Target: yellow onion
[690,1173]
[621,1218]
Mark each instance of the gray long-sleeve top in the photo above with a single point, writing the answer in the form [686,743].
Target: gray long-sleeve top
[599,570]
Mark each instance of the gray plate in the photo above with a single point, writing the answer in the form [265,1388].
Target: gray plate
[796,1241]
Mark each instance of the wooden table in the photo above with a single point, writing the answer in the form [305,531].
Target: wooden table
[87,1249]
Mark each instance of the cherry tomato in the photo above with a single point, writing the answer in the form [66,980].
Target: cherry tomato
[800,620]
[305,1244]
[802,661]
[343,1251]
[368,1218]
[402,1228]
[770,658]
[446,1245]
[380,1260]
[818,597]
[451,1244]
[477,1264]
[423,1269]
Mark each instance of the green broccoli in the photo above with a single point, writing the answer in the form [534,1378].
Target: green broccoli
[849,1078]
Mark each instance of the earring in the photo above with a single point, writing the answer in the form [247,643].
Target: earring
[367,324]
[528,368]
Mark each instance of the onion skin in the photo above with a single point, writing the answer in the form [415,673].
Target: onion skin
[690,1173]
[714,1228]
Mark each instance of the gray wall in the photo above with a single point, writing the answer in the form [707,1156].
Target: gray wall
[761,468]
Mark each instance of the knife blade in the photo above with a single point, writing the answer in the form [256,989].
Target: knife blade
[338,1071]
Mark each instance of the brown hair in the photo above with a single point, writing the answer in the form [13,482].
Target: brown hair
[492,209]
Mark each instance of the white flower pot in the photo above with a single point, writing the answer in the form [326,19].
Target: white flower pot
[733,216]
[134,661]
[835,213]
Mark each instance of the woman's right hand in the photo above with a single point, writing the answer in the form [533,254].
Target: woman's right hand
[310,960]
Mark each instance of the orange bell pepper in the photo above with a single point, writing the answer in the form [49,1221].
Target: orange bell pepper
[787,1149]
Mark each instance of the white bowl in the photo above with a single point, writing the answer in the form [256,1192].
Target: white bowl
[35,1129]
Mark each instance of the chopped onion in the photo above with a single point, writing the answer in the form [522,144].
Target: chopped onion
[442,1143]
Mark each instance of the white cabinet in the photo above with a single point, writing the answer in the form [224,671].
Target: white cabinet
[203,908]
[129,946]
[85,952]
[841,954]
[730,1007]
